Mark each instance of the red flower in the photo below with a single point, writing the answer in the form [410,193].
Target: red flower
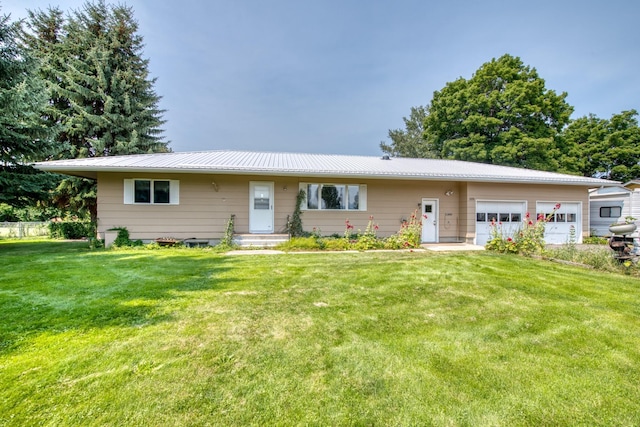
[530,222]
[557,206]
[509,239]
[527,216]
[375,227]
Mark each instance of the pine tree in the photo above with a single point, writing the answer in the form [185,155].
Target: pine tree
[112,106]
[102,96]
[24,136]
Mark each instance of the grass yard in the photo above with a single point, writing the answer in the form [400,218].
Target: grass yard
[179,337]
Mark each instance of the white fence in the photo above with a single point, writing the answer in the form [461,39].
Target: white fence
[24,229]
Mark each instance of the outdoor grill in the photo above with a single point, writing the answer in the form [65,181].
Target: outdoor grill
[623,247]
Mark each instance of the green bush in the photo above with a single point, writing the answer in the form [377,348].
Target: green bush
[301,244]
[71,229]
[337,244]
[122,239]
[527,240]
[595,240]
[408,237]
[369,239]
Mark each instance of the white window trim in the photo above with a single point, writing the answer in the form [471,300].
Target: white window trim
[362,201]
[129,192]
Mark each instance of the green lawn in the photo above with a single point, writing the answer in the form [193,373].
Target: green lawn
[178,337]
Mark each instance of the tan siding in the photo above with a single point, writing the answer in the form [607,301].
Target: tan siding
[203,212]
[390,201]
[528,193]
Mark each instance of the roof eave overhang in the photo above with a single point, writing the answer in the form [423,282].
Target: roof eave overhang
[81,171]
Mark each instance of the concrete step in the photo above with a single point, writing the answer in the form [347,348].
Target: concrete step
[259,240]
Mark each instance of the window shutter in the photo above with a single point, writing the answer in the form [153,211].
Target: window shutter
[174,192]
[363,197]
[128,191]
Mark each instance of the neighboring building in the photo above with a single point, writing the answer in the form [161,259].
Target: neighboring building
[609,205]
[193,195]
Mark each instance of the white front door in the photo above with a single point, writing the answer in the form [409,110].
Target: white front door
[429,220]
[260,207]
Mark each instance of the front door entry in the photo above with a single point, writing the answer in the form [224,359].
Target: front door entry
[429,220]
[261,207]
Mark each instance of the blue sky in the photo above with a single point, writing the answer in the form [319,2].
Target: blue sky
[334,76]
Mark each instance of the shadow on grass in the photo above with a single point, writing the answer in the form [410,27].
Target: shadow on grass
[51,287]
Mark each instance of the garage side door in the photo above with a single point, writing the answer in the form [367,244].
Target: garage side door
[507,215]
[558,229]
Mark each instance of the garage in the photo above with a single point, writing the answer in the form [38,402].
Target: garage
[506,214]
[559,227]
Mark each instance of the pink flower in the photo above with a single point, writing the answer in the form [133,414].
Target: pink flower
[530,222]
[375,227]
[557,206]
[509,239]
[527,216]
[540,217]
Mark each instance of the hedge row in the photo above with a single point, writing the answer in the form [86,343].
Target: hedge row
[71,229]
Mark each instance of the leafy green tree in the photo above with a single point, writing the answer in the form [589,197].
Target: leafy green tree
[24,136]
[502,115]
[409,142]
[605,148]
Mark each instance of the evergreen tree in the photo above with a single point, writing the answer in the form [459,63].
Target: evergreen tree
[102,96]
[24,136]
[102,93]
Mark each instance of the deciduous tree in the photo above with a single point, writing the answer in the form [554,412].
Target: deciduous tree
[605,148]
[409,142]
[502,115]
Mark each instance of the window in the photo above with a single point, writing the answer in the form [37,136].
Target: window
[151,191]
[610,212]
[335,197]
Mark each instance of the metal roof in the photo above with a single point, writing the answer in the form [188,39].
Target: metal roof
[311,165]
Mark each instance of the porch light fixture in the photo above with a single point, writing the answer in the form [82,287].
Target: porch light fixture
[448,193]
[284,188]
[215,186]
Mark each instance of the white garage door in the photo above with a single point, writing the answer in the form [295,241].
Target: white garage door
[507,215]
[558,229]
